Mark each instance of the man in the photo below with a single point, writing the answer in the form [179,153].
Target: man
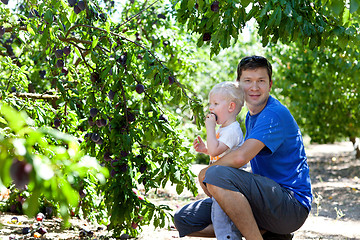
[275,199]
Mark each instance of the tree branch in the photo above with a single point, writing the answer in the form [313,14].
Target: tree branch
[72,39]
[37,96]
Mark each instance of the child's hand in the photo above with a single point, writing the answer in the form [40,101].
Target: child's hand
[210,121]
[199,145]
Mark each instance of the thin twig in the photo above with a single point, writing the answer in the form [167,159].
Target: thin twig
[37,96]
[132,17]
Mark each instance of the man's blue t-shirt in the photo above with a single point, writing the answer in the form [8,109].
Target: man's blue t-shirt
[283,158]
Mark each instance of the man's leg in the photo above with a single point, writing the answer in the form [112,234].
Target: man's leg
[274,208]
[237,207]
[206,232]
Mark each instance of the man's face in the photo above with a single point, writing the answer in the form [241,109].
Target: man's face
[257,86]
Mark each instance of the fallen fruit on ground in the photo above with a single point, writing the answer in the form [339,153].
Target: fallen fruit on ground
[40,217]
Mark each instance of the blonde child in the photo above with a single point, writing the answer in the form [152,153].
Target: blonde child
[225,102]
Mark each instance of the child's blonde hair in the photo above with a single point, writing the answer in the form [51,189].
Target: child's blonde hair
[232,93]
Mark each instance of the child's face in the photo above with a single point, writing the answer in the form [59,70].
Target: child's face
[219,106]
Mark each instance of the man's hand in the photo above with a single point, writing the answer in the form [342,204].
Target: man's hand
[199,145]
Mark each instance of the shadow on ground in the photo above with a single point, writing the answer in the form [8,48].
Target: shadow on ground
[336,188]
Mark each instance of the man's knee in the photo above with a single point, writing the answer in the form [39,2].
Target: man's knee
[227,178]
[219,173]
[216,171]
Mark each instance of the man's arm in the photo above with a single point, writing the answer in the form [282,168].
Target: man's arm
[237,158]
[242,155]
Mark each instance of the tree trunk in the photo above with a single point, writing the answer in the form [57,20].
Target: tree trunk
[355,143]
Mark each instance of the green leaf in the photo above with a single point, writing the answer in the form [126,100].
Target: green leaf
[95,41]
[179,188]
[350,31]
[343,41]
[107,26]
[77,52]
[48,17]
[274,17]
[60,86]
[288,10]
[254,11]
[354,5]
[15,120]
[2,120]
[278,16]
[245,3]
[312,43]
[72,17]
[191,4]
[299,19]
[70,194]
[337,6]
[30,30]
[177,176]
[346,16]
[43,170]
[5,165]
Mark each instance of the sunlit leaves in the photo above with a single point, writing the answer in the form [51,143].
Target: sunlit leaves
[50,163]
[308,20]
[320,87]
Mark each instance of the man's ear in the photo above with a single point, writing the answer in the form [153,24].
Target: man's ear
[232,106]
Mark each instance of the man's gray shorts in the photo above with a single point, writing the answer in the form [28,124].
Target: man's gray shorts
[275,208]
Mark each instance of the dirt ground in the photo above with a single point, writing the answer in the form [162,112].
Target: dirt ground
[335,175]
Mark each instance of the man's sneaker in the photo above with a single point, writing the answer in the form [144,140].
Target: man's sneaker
[275,236]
